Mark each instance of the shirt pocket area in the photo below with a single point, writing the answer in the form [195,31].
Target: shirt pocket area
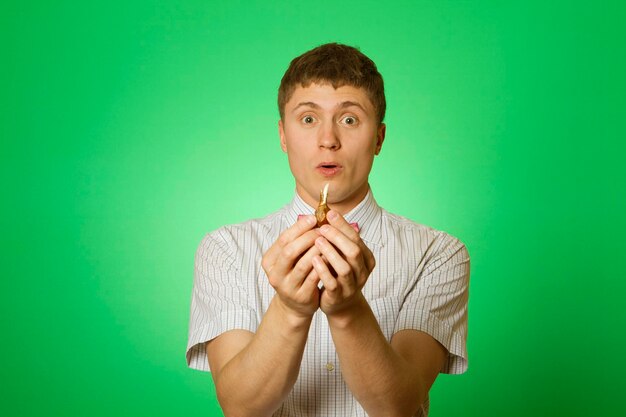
[386,311]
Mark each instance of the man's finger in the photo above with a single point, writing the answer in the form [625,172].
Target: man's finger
[343,243]
[304,224]
[310,282]
[303,267]
[338,223]
[290,254]
[329,281]
[345,272]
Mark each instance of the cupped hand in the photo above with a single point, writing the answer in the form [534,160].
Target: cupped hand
[289,268]
[344,264]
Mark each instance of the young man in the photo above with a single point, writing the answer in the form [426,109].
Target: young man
[355,318]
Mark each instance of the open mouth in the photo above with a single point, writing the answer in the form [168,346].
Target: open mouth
[329,165]
[329,169]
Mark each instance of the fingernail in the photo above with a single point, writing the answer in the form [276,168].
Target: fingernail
[311,220]
[332,215]
[325,228]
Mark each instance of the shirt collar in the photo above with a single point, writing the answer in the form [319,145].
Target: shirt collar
[368,214]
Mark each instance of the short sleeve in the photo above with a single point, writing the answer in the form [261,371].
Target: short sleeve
[219,301]
[437,304]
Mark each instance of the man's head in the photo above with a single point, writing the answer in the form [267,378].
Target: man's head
[337,65]
[331,128]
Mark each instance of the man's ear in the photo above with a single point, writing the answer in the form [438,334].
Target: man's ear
[380,138]
[281,133]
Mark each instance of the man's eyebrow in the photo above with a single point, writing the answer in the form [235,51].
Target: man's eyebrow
[306,103]
[345,104]
[342,105]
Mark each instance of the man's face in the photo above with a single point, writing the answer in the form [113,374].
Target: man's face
[331,135]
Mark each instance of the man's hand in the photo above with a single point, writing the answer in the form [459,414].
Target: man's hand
[288,265]
[345,267]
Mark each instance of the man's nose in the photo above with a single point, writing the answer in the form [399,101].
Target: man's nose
[329,136]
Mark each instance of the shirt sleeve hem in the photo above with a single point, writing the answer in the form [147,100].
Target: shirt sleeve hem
[225,321]
[452,340]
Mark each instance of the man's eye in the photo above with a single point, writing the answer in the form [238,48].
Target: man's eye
[308,120]
[350,120]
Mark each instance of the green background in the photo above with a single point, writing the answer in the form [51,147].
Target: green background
[131,129]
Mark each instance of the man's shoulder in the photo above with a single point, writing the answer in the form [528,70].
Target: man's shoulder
[227,241]
[252,226]
[403,227]
[401,223]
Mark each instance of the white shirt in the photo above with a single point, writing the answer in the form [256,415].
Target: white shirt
[421,282]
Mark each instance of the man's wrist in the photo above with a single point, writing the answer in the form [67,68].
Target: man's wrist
[292,318]
[346,316]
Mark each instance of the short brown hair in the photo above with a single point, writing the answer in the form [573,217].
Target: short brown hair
[337,65]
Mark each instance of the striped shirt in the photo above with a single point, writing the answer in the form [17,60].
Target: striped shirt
[420,282]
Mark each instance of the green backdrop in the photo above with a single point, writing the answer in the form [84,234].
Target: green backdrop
[131,129]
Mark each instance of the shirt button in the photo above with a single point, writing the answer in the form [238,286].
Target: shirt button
[330,367]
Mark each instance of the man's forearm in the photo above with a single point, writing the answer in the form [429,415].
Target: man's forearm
[383,382]
[257,380]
